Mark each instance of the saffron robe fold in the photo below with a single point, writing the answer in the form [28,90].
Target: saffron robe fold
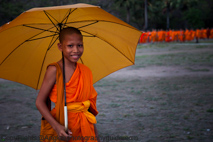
[81,97]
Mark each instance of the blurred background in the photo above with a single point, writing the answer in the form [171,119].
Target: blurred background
[142,14]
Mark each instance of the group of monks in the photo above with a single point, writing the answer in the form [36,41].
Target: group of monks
[175,35]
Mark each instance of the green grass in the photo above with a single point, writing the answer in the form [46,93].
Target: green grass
[139,115]
[186,59]
[113,105]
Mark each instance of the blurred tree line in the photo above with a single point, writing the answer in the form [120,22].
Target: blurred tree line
[161,14]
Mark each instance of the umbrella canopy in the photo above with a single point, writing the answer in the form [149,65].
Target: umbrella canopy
[29,43]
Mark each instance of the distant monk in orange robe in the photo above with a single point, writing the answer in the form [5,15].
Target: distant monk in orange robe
[177,36]
[203,33]
[163,35]
[160,36]
[145,37]
[80,94]
[148,35]
[197,35]
[142,38]
[187,35]
[170,33]
[174,36]
[154,36]
[182,36]
[168,36]
[192,35]
[208,33]
[211,33]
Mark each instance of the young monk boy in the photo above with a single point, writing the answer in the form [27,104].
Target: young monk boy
[80,93]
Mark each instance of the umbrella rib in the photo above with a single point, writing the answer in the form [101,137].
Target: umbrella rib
[44,30]
[52,42]
[104,21]
[41,37]
[41,69]
[110,45]
[88,36]
[47,14]
[11,53]
[50,45]
[81,61]
[88,24]
[19,46]
[66,17]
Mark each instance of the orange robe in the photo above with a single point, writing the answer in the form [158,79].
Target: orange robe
[192,35]
[182,36]
[207,33]
[154,36]
[160,36]
[145,37]
[80,97]
[148,37]
[142,38]
[187,35]
[198,34]
[203,33]
[168,36]
[163,35]
[211,33]
[174,36]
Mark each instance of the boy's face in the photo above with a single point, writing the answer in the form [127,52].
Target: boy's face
[72,47]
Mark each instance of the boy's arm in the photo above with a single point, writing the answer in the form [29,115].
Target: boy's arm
[48,82]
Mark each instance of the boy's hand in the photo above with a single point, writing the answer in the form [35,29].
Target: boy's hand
[62,134]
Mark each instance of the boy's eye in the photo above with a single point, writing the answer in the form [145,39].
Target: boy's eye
[80,45]
[70,45]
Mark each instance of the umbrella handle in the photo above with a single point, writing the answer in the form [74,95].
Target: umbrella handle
[65,104]
[65,119]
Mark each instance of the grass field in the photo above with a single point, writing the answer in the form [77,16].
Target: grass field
[166,96]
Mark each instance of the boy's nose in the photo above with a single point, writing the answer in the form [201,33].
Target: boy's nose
[75,49]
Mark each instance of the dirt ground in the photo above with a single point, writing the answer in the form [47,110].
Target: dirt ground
[166,96]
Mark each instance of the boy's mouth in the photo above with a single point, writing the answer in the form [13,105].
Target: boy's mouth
[75,56]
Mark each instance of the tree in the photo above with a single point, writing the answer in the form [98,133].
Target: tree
[194,17]
[127,4]
[145,15]
[167,13]
[9,10]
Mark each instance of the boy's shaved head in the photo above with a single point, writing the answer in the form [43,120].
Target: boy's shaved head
[68,31]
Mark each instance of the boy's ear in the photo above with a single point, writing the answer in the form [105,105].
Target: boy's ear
[60,46]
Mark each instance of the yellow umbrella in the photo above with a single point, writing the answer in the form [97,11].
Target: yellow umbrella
[28,43]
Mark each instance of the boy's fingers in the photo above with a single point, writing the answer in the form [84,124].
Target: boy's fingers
[65,136]
[69,132]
